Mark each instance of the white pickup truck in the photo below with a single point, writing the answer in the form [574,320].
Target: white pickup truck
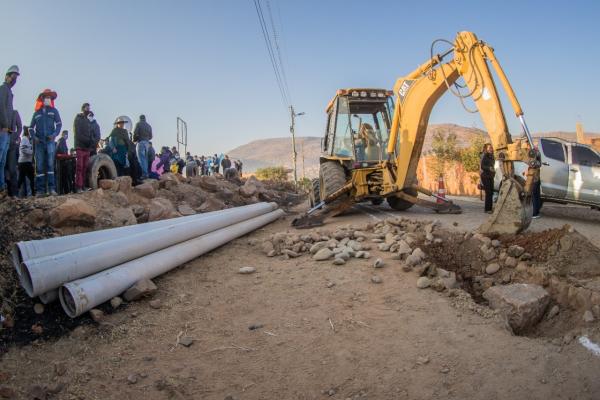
[570,172]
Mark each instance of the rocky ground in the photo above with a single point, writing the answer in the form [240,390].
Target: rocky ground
[372,306]
[116,204]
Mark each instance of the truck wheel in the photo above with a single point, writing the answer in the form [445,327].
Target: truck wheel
[331,178]
[101,166]
[314,197]
[399,204]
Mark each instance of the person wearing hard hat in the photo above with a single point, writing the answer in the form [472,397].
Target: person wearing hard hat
[118,143]
[45,126]
[6,120]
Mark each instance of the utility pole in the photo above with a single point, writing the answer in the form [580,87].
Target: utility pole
[292,131]
[302,152]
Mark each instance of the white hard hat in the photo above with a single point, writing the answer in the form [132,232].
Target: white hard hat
[14,69]
[120,119]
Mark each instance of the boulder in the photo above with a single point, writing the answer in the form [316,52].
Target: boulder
[515,251]
[169,177]
[73,212]
[208,183]
[492,268]
[141,288]
[212,204]
[123,217]
[146,190]
[323,254]
[523,304]
[124,184]
[249,189]
[184,209]
[160,208]
[107,184]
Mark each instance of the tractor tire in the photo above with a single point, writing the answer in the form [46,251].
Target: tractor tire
[314,197]
[101,166]
[399,204]
[331,178]
[377,201]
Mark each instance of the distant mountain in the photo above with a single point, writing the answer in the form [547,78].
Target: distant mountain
[278,151]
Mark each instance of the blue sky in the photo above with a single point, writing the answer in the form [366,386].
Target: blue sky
[206,61]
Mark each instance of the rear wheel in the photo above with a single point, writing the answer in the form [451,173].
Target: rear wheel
[314,196]
[399,204]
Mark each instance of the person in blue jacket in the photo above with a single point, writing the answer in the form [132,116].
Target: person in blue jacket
[45,126]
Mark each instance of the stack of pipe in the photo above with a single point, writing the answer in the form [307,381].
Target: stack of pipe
[87,269]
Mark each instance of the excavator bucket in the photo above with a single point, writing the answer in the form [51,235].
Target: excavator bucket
[513,211]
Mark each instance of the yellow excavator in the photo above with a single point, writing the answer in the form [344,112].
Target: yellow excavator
[372,143]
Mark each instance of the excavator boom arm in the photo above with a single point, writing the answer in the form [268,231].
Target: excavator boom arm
[418,92]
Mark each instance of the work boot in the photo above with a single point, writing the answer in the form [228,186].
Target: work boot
[2,194]
[53,193]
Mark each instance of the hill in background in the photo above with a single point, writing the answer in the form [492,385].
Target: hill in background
[278,151]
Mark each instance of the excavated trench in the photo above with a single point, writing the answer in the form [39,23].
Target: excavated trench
[562,261]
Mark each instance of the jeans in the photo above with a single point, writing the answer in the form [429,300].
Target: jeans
[4,142]
[83,158]
[536,198]
[44,167]
[142,156]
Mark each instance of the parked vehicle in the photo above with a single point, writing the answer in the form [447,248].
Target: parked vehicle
[570,172]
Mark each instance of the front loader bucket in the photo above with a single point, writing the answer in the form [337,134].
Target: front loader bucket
[512,212]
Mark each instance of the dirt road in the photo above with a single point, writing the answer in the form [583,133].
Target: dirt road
[300,329]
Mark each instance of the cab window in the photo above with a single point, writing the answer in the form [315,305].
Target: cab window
[553,150]
[584,156]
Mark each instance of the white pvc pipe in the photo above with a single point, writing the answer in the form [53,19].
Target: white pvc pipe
[40,275]
[84,294]
[40,248]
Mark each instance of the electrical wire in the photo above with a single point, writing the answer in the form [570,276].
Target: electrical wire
[272,57]
[278,50]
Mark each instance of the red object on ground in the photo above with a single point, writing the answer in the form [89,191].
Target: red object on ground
[441,190]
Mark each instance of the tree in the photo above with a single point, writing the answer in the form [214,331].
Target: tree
[444,148]
[471,155]
[272,173]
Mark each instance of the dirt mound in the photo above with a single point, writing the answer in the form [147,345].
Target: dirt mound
[561,262]
[565,250]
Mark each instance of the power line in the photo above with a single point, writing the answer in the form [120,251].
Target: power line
[278,50]
[272,58]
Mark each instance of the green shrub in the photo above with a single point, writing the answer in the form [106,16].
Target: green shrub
[272,173]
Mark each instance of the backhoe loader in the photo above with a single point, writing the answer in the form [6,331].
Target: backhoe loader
[374,139]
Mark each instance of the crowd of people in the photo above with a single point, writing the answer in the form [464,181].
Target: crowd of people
[33,162]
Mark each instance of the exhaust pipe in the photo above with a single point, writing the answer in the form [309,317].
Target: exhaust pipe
[23,251]
[44,274]
[84,294]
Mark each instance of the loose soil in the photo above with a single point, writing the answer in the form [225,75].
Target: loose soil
[301,329]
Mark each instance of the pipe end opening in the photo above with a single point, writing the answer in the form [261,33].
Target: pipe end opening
[67,301]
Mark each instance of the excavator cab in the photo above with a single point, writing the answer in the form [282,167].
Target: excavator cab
[355,141]
[358,127]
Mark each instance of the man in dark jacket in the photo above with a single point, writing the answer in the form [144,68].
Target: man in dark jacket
[225,163]
[95,133]
[6,120]
[11,171]
[45,126]
[142,135]
[84,142]
[487,174]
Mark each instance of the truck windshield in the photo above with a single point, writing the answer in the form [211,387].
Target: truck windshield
[362,129]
